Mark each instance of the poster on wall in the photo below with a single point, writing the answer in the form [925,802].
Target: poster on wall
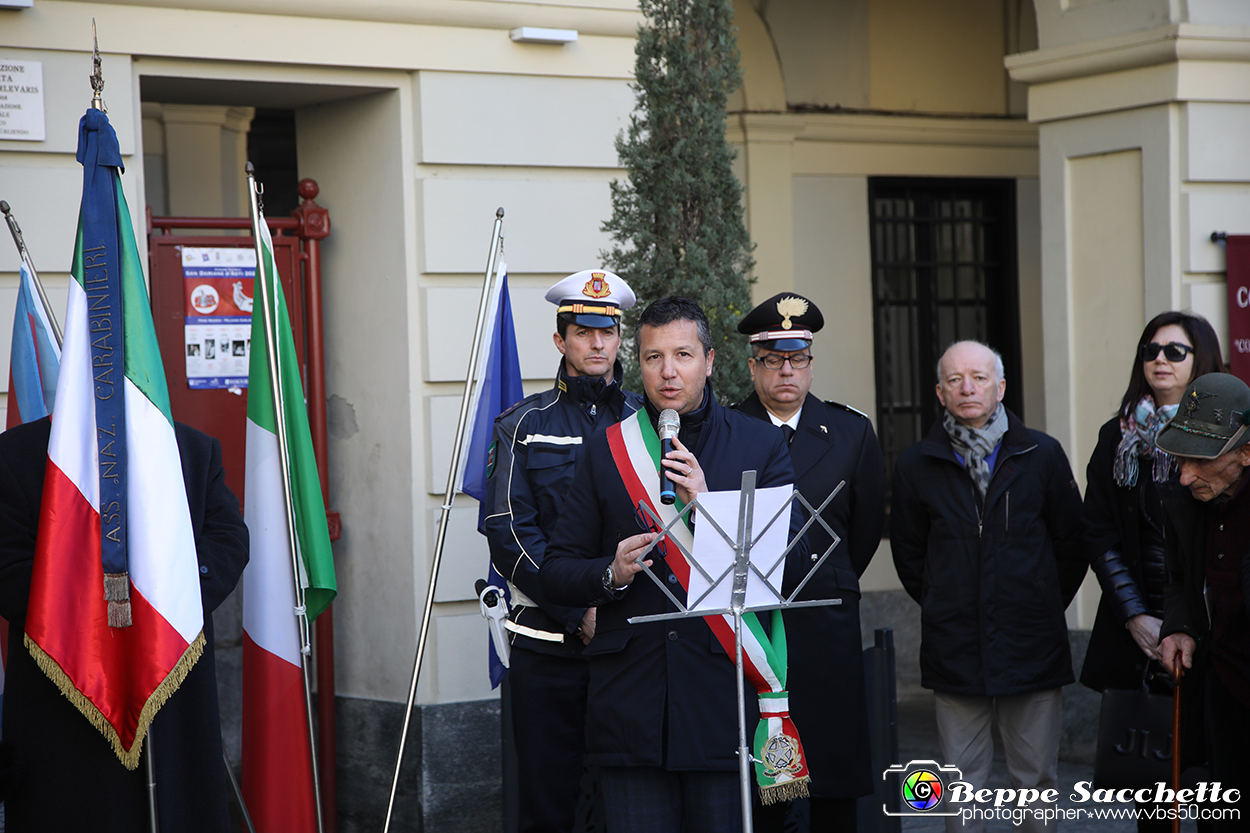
[217,289]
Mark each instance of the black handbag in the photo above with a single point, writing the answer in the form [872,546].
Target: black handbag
[1135,743]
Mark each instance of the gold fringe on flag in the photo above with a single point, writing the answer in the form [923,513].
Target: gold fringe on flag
[128,757]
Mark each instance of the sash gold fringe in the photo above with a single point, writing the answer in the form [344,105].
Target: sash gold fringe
[128,757]
[117,587]
[119,615]
[789,791]
[117,594]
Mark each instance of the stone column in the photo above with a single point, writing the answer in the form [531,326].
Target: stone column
[1141,158]
[205,150]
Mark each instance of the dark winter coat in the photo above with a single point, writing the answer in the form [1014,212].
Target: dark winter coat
[833,445]
[70,779]
[993,577]
[1112,522]
[537,444]
[661,693]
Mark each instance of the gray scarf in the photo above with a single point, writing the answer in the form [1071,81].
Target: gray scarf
[977,444]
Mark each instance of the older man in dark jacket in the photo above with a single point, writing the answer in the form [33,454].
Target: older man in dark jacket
[1205,620]
[985,533]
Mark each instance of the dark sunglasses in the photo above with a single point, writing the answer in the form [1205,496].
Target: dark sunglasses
[1172,351]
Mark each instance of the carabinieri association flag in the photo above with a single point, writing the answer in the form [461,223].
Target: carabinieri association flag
[115,617]
[277,756]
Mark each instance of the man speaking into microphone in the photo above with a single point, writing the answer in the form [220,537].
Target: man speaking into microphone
[662,719]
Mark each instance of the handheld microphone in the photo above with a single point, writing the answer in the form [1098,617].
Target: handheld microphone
[669,424]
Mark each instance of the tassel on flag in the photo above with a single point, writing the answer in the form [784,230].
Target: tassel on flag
[498,388]
[278,780]
[34,357]
[115,617]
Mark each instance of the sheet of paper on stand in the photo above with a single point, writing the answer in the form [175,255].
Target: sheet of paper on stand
[716,555]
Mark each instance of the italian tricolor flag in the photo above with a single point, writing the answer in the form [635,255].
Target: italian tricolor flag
[277,757]
[113,502]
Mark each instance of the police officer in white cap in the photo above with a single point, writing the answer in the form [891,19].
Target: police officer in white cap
[536,447]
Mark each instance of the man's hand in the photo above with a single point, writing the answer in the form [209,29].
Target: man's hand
[684,471]
[586,631]
[1177,645]
[1145,631]
[626,564]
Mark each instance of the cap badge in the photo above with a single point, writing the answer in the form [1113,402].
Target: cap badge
[597,286]
[790,307]
[1191,404]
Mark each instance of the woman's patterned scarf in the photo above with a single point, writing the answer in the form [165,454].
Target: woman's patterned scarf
[1137,440]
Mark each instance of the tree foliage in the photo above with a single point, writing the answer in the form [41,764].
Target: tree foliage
[677,223]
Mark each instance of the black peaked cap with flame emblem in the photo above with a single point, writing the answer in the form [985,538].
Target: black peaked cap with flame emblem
[784,322]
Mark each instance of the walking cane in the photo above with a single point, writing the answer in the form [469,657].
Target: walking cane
[1176,745]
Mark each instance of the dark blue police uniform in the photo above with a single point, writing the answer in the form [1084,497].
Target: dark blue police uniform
[537,444]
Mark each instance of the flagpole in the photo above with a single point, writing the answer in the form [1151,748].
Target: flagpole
[24,253]
[269,315]
[151,773]
[97,103]
[449,498]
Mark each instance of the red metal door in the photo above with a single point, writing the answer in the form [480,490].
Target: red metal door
[217,412]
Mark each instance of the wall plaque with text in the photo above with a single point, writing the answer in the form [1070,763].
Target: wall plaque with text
[21,100]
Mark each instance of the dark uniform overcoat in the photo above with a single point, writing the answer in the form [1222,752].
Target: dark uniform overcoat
[832,445]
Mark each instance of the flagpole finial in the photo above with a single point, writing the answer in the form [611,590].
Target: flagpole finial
[97,74]
[4,206]
[499,212]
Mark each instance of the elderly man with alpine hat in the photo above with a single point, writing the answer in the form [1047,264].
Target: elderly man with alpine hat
[831,445]
[985,531]
[1205,625]
[537,444]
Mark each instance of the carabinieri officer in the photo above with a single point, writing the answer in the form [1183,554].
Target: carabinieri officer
[829,444]
[536,446]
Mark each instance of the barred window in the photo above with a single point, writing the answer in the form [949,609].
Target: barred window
[943,269]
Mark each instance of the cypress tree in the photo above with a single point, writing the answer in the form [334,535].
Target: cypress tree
[677,223]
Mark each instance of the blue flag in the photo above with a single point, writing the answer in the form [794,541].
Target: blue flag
[499,388]
[34,357]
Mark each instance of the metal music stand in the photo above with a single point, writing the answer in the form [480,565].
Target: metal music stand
[773,569]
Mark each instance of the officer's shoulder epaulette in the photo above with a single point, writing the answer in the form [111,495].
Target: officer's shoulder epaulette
[847,408]
[524,401]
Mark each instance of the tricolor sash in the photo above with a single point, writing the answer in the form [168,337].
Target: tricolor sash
[782,768]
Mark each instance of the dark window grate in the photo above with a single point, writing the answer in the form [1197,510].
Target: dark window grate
[943,269]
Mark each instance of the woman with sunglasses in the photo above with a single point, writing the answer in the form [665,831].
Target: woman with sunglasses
[1123,513]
